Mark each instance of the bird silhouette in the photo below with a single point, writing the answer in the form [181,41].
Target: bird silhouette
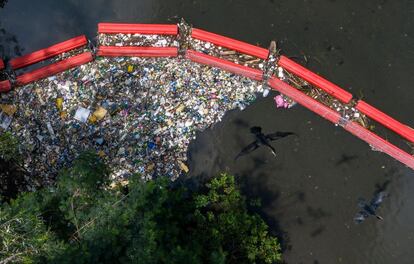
[369,209]
[262,140]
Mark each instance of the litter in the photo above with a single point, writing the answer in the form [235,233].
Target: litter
[139,122]
[82,114]
[5,120]
[282,101]
[99,113]
[50,129]
[183,166]
[8,109]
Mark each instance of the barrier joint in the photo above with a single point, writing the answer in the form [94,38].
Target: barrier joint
[270,64]
[183,37]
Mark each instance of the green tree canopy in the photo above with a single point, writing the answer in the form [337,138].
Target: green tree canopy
[85,220]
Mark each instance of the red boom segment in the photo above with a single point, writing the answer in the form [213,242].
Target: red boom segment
[305,100]
[5,86]
[230,43]
[54,68]
[375,141]
[1,64]
[386,120]
[380,144]
[224,64]
[49,52]
[152,29]
[113,51]
[315,79]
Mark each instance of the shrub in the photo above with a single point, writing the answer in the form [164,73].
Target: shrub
[83,220]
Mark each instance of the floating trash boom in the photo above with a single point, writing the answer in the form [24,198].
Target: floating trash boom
[49,52]
[222,52]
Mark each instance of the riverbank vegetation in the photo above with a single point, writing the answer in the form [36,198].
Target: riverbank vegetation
[85,219]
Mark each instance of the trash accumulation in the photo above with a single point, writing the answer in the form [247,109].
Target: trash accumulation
[347,111]
[139,114]
[72,53]
[143,40]
[230,55]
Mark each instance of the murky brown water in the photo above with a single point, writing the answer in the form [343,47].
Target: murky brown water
[310,190]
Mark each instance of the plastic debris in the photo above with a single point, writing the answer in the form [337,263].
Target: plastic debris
[266,92]
[138,114]
[99,113]
[347,111]
[59,103]
[5,120]
[282,101]
[144,40]
[183,166]
[230,55]
[99,141]
[50,129]
[8,109]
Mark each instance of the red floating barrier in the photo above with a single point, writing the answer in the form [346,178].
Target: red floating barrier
[230,43]
[113,51]
[1,64]
[156,29]
[305,100]
[49,52]
[315,79]
[54,68]
[375,141]
[5,86]
[224,64]
[386,120]
[380,144]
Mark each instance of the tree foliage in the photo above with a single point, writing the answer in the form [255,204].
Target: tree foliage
[85,220]
[9,147]
[12,173]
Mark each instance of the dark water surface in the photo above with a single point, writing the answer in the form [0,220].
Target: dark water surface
[310,190]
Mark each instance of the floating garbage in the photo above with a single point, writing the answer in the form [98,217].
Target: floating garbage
[348,111]
[5,120]
[82,114]
[8,109]
[281,102]
[139,114]
[147,40]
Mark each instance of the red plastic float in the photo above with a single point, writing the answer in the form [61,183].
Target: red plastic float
[5,86]
[315,79]
[380,144]
[1,64]
[152,29]
[113,51]
[54,68]
[49,52]
[305,100]
[230,43]
[224,64]
[386,120]
[375,141]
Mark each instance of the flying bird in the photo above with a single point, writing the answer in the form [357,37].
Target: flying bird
[262,140]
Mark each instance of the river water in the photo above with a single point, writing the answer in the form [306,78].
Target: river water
[309,192]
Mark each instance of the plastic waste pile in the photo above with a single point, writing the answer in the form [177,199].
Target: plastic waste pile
[139,98]
[139,114]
